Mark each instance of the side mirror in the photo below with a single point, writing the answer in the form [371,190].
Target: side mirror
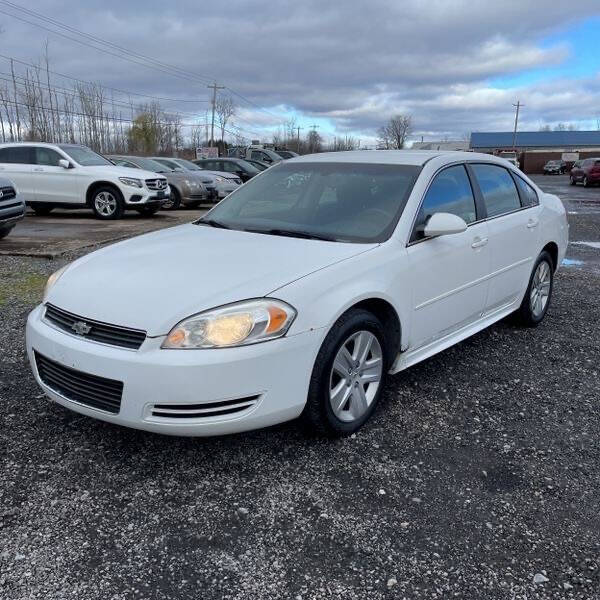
[64,163]
[444,224]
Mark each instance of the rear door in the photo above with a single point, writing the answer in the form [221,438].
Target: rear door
[16,163]
[449,272]
[513,229]
[54,183]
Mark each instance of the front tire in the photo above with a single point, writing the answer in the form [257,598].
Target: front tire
[586,183]
[107,203]
[174,201]
[348,375]
[572,180]
[537,298]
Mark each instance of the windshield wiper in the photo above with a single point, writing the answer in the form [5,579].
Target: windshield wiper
[212,223]
[294,233]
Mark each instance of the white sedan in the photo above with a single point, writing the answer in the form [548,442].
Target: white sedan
[299,293]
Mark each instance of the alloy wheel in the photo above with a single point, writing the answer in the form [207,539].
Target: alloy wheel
[355,376]
[105,203]
[540,289]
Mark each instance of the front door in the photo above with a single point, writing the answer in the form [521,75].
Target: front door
[449,273]
[54,183]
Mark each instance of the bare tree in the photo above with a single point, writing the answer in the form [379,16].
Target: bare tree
[393,135]
[225,109]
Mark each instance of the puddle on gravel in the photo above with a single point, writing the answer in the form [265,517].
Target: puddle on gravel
[590,244]
[571,262]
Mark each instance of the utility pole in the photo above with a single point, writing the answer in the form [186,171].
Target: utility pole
[518,106]
[298,138]
[214,87]
[314,128]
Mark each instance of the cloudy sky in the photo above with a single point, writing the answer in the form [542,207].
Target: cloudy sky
[346,65]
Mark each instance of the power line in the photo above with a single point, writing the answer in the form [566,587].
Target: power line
[155,64]
[120,91]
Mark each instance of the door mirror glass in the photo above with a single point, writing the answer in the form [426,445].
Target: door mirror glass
[444,224]
[64,163]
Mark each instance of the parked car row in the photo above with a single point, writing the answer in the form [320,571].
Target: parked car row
[586,171]
[48,176]
[555,167]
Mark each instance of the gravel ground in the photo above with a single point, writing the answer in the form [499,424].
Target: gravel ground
[479,477]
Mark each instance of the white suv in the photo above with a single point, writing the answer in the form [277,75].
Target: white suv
[71,176]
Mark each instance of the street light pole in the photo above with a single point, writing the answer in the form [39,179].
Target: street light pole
[214,88]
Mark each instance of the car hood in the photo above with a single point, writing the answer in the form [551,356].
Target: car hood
[224,174]
[117,171]
[153,281]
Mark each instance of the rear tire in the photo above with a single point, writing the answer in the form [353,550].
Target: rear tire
[348,375]
[41,209]
[107,203]
[4,231]
[537,298]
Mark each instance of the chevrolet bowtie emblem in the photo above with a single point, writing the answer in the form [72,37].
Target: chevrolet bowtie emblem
[81,328]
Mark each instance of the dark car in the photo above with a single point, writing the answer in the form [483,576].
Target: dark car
[12,208]
[239,166]
[555,167]
[261,166]
[586,171]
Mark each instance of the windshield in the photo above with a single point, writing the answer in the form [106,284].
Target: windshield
[188,165]
[169,164]
[340,201]
[249,168]
[147,164]
[85,156]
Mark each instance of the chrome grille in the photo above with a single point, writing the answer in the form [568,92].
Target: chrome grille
[95,331]
[7,193]
[156,184]
[77,386]
[204,410]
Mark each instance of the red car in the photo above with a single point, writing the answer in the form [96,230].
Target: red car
[586,171]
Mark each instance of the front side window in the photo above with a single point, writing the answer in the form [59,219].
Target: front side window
[529,196]
[85,156]
[350,202]
[22,155]
[498,189]
[47,157]
[449,192]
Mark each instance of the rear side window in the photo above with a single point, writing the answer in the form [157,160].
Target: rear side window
[529,196]
[498,189]
[17,155]
[449,192]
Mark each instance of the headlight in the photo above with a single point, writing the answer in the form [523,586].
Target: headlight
[192,184]
[52,280]
[131,181]
[220,179]
[235,324]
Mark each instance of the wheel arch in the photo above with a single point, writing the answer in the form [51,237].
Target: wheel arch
[100,184]
[552,249]
[388,316]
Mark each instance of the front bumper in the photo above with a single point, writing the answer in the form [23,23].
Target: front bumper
[145,197]
[224,189]
[277,372]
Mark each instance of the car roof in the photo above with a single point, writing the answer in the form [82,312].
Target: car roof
[393,157]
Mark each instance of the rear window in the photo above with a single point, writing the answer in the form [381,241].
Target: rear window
[17,155]
[498,189]
[529,196]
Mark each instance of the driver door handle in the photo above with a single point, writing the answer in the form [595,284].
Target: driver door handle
[532,223]
[479,242]
[38,169]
